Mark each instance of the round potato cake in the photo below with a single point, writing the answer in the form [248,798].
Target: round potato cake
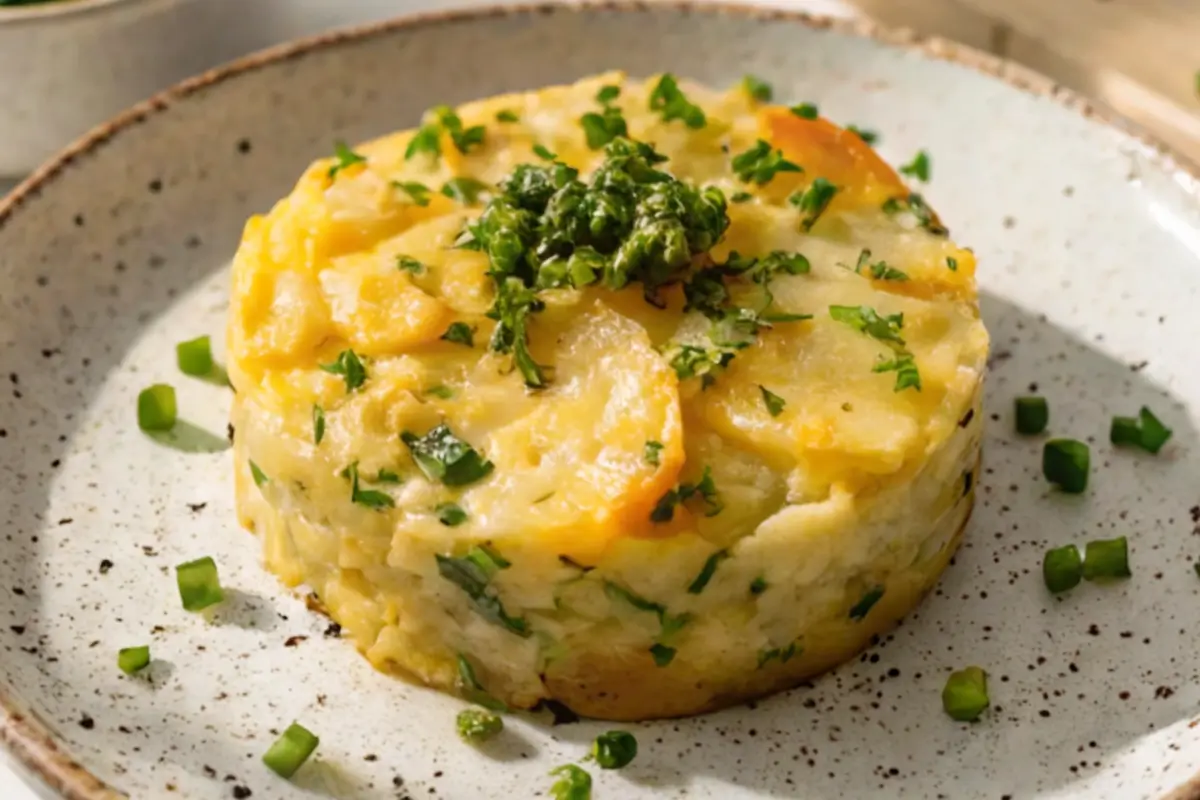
[636,396]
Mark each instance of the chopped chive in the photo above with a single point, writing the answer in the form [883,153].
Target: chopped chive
[965,695]
[918,168]
[1125,430]
[195,356]
[1146,432]
[542,152]
[774,402]
[371,498]
[133,659]
[318,415]
[156,408]
[472,689]
[707,572]
[1106,558]
[1065,462]
[291,750]
[344,157]
[653,451]
[477,725]
[574,783]
[259,476]
[662,654]
[614,749]
[757,88]
[199,584]
[864,605]
[758,585]
[1062,568]
[805,111]
[1032,413]
[451,514]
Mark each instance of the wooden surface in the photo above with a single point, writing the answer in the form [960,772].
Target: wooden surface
[1139,57]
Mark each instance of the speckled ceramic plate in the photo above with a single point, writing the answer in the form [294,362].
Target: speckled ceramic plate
[1088,239]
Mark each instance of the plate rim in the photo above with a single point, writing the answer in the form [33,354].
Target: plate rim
[28,738]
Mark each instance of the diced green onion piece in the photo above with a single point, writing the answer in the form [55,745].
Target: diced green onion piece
[156,408]
[1065,462]
[574,783]
[477,725]
[965,695]
[1032,414]
[1146,432]
[614,749]
[1062,568]
[1125,430]
[291,750]
[133,659]
[1106,558]
[195,356]
[199,585]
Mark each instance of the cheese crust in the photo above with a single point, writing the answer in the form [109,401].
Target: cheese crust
[838,503]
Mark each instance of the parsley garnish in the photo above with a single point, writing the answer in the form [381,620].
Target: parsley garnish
[460,333]
[600,129]
[705,488]
[868,601]
[542,152]
[692,361]
[706,572]
[887,330]
[409,264]
[672,103]
[450,514]
[514,303]
[774,402]
[758,585]
[464,138]
[757,88]
[607,94]
[465,190]
[952,263]
[507,115]
[760,164]
[427,139]
[915,205]
[416,191]
[784,655]
[349,367]
[813,201]
[740,197]
[870,137]
[366,497]
[344,157]
[444,457]
[805,111]
[472,573]
[318,415]
[442,391]
[880,270]
[386,475]
[918,168]
[663,655]
[653,451]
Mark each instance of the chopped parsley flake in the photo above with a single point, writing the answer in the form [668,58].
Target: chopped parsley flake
[670,101]
[427,139]
[442,391]
[451,514]
[915,204]
[472,573]
[366,497]
[416,191]
[444,457]
[607,94]
[774,402]
[758,585]
[813,201]
[344,157]
[740,197]
[349,367]
[952,263]
[880,270]
[460,333]
[805,111]
[870,137]
[602,128]
[542,152]
[386,475]
[318,415]
[784,654]
[757,88]
[864,605]
[886,330]
[464,138]
[465,190]
[653,451]
[918,168]
[409,264]
[507,115]
[705,488]
[760,164]
[662,654]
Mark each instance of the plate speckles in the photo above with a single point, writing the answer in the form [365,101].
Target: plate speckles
[1090,280]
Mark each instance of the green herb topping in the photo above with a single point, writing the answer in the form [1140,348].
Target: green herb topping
[965,695]
[573,783]
[607,94]
[427,139]
[477,725]
[758,585]
[863,607]
[1106,558]
[543,152]
[133,659]
[601,128]
[662,654]
[870,137]
[409,264]
[257,474]
[813,201]
[614,749]
[417,192]
[441,390]
[444,457]
[918,168]
[343,157]
[740,197]
[707,571]
[784,654]
[349,367]
[451,514]
[879,271]
[670,101]
[952,263]
[199,585]
[156,408]
[318,417]
[886,330]
[1062,568]
[507,115]
[1146,432]
[464,138]
[705,488]
[653,451]
[1032,414]
[915,204]
[387,476]
[1065,462]
[473,690]
[195,356]
[290,750]
[806,111]
[366,497]
[774,402]
[760,164]
[757,88]
[465,190]
[472,573]
[460,333]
